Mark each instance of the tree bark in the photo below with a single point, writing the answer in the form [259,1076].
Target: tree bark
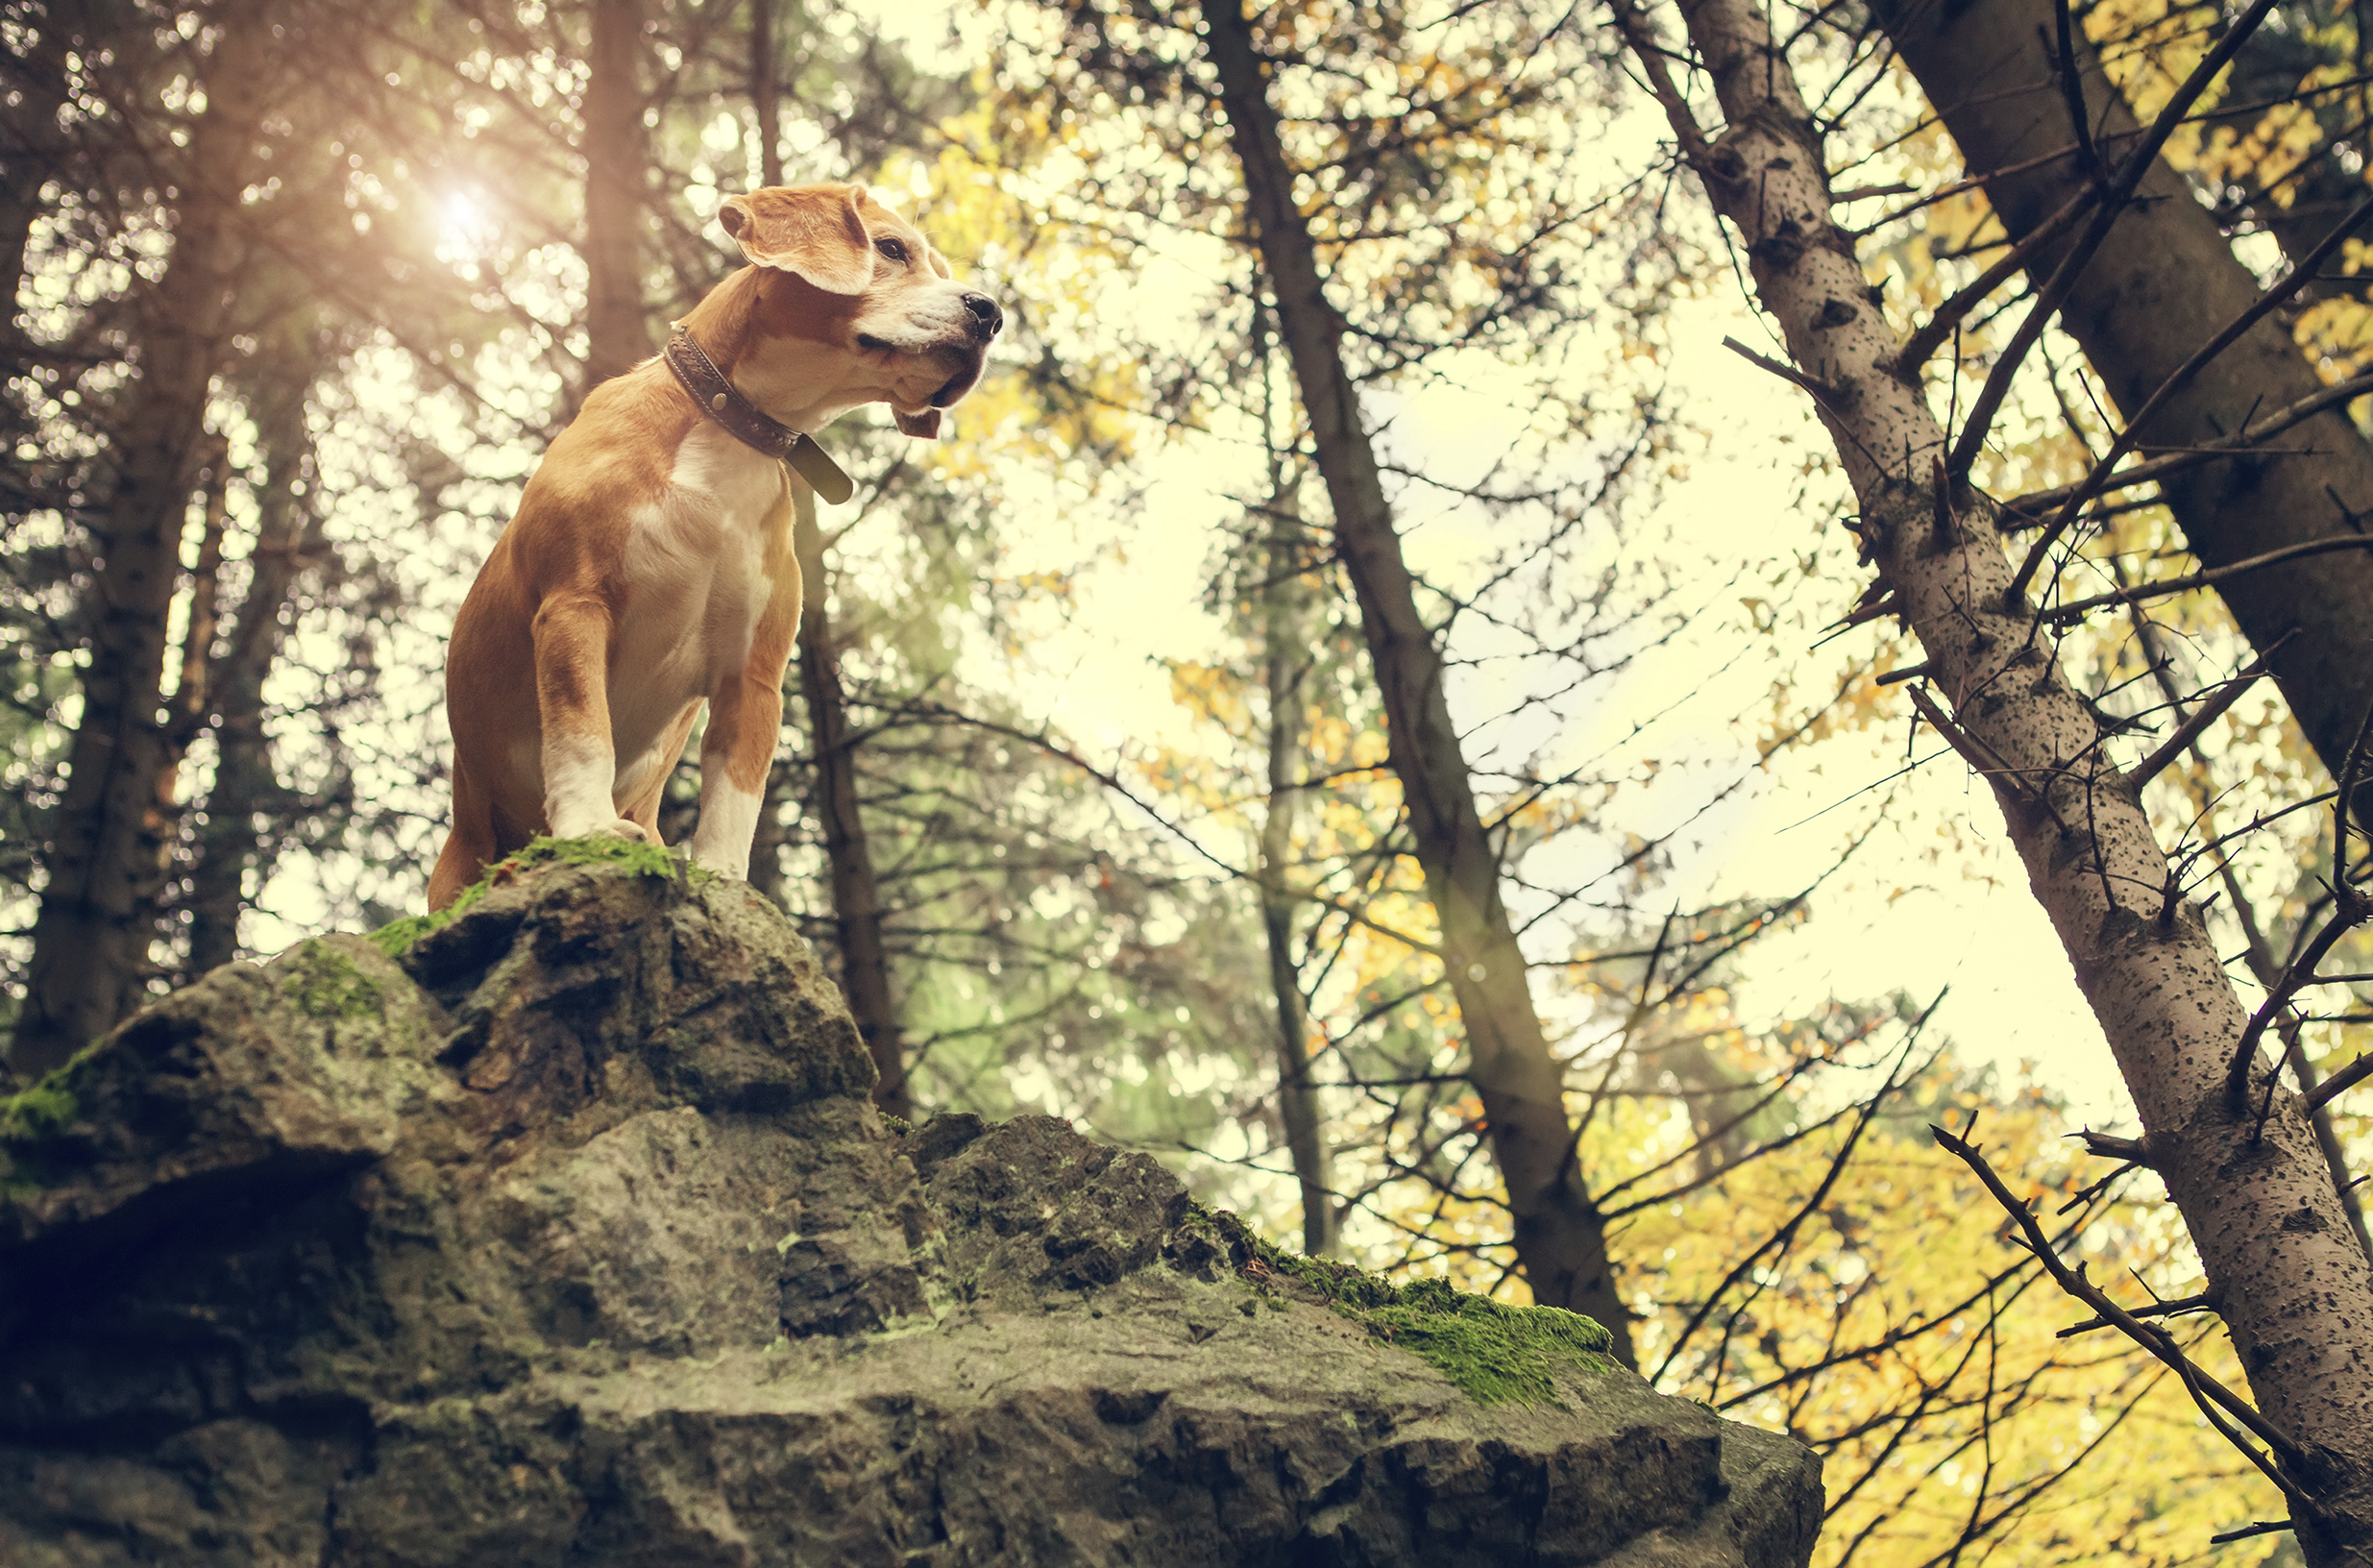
[765,91]
[856,894]
[2293,1288]
[230,844]
[618,335]
[1287,663]
[33,147]
[1560,1238]
[105,860]
[2160,285]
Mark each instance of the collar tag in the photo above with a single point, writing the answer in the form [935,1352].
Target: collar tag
[823,474]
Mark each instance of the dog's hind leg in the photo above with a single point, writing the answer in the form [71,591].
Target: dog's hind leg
[469,849]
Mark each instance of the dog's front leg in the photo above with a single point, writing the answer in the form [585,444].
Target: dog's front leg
[737,751]
[572,685]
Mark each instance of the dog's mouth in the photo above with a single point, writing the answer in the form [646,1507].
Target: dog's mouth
[970,358]
[955,387]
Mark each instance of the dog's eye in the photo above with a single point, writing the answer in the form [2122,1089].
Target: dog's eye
[892,249]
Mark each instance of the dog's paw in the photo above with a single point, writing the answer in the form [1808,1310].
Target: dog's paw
[615,828]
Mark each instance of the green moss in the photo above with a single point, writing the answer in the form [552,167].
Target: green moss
[645,859]
[34,1117]
[1495,1353]
[324,984]
[38,1114]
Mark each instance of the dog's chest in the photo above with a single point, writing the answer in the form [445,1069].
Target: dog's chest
[701,564]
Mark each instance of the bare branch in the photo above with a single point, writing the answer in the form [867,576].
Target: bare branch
[2077,609]
[2221,1406]
[2299,277]
[2137,162]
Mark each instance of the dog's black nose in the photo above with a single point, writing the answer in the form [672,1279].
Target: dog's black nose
[987,319]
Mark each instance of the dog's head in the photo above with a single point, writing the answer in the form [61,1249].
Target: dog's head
[840,267]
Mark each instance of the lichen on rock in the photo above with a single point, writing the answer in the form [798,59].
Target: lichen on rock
[568,1234]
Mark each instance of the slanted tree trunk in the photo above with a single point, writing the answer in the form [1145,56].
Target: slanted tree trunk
[105,858]
[617,153]
[856,894]
[2164,283]
[231,846]
[2283,1266]
[1560,1238]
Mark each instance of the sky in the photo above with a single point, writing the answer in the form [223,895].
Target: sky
[1935,903]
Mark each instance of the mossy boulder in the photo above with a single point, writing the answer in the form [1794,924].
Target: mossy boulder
[565,1234]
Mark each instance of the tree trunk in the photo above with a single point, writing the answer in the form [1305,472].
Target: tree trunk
[766,847]
[2160,285]
[1284,625]
[618,334]
[105,860]
[765,852]
[856,896]
[33,147]
[765,93]
[2293,1288]
[230,843]
[1560,1238]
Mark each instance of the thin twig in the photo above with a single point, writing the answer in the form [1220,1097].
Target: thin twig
[1939,327]
[2032,504]
[2194,727]
[1973,751]
[2347,1078]
[2157,1309]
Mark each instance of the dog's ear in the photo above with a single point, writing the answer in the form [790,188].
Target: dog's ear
[813,233]
[923,426]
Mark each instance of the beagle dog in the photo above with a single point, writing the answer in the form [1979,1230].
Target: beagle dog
[649,569]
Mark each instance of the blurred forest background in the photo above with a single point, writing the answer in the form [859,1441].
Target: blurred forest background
[1314,742]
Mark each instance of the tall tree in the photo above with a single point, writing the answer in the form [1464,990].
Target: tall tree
[2233,1145]
[856,891]
[1559,1234]
[2158,285]
[617,159]
[232,850]
[106,855]
[1286,670]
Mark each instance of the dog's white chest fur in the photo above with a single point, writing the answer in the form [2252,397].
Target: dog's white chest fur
[696,586]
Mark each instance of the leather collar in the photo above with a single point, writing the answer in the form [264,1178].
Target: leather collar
[722,402]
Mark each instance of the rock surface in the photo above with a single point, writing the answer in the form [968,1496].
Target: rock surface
[570,1238]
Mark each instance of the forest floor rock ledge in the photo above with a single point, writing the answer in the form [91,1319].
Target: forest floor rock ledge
[564,1233]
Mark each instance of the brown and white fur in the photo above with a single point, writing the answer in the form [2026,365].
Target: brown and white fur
[649,566]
